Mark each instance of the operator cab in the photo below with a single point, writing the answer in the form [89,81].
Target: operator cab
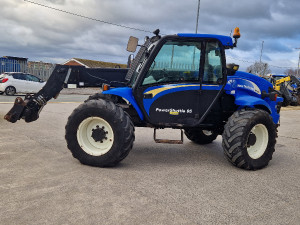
[178,78]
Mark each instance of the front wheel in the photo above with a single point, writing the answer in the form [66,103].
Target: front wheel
[200,136]
[249,139]
[99,133]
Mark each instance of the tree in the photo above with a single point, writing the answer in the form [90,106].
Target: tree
[259,68]
[292,72]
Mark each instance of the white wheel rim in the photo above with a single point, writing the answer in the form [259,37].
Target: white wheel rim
[88,143]
[262,138]
[207,132]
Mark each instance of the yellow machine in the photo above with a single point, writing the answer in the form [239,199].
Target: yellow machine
[278,83]
[289,87]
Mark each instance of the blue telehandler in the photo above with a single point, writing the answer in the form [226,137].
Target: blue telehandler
[175,81]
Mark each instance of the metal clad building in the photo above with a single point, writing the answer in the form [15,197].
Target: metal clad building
[13,64]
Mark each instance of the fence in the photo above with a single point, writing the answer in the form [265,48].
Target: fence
[40,69]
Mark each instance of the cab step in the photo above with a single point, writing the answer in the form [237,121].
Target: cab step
[167,141]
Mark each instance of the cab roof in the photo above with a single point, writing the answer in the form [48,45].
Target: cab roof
[225,40]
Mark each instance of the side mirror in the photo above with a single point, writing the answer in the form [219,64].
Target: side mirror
[132,44]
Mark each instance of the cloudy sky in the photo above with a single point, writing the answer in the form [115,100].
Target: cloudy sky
[43,34]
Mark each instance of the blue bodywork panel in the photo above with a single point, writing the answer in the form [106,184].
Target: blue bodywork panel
[247,89]
[225,40]
[126,93]
[159,91]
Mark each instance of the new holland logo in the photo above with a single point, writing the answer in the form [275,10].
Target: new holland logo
[245,84]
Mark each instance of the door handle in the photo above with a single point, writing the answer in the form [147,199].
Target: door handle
[148,96]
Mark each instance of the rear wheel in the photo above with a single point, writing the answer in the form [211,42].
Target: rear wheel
[10,90]
[200,136]
[249,139]
[99,133]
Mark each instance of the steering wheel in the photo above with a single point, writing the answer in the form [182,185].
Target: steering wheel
[164,76]
[165,73]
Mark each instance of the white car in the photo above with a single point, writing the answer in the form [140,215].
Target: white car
[15,82]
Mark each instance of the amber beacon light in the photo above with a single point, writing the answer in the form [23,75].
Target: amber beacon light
[236,33]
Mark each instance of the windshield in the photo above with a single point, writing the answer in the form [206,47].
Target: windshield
[176,61]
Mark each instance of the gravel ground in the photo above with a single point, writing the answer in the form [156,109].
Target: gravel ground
[41,183]
[291,108]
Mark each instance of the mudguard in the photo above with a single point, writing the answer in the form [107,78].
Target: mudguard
[255,102]
[126,93]
[251,101]
[247,90]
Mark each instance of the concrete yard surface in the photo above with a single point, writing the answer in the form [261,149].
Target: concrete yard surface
[41,183]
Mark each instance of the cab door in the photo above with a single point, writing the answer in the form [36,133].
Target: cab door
[180,83]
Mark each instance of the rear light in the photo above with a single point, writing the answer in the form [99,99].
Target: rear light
[4,80]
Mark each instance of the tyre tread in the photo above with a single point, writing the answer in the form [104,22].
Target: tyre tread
[119,116]
[234,133]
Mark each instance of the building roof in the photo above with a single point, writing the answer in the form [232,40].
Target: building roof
[15,58]
[93,63]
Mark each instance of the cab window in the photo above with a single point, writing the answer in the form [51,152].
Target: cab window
[175,62]
[213,71]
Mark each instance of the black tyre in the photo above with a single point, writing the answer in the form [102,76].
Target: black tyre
[200,136]
[99,133]
[1,93]
[249,139]
[10,90]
